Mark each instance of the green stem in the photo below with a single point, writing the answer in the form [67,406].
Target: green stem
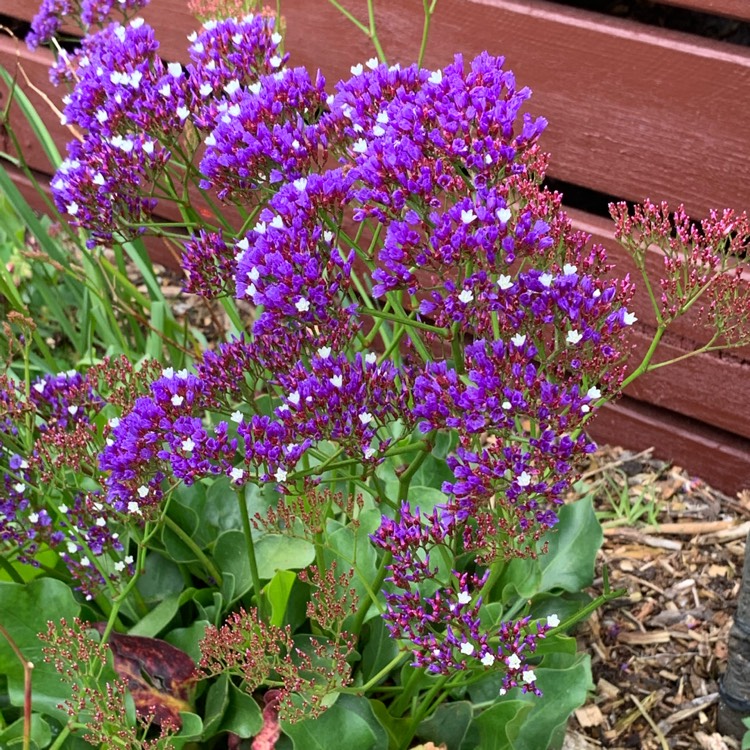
[425,706]
[28,666]
[59,742]
[14,575]
[429,9]
[401,703]
[404,320]
[250,546]
[188,541]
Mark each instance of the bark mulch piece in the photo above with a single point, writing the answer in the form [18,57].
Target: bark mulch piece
[677,548]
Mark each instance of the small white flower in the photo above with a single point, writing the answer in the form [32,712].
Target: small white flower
[294,398]
[629,318]
[72,208]
[504,282]
[260,227]
[488,659]
[467,649]
[277,222]
[336,381]
[372,63]
[518,340]
[468,216]
[85,562]
[464,597]
[585,408]
[524,479]
[188,445]
[382,118]
[328,235]
[183,113]
[528,676]
[436,77]
[63,509]
[546,279]
[300,183]
[573,337]
[569,269]
[371,358]
[593,392]
[136,23]
[302,305]
[133,507]
[128,559]
[98,179]
[38,387]
[206,89]
[365,417]
[466,296]
[280,475]
[553,621]
[507,405]
[177,399]
[33,517]
[166,91]
[148,147]
[369,452]
[72,548]
[232,87]
[596,293]
[101,522]
[236,474]
[119,566]
[72,410]
[513,661]
[253,274]
[236,417]
[357,69]
[182,374]
[167,372]
[101,116]
[19,487]
[378,131]
[360,146]
[251,291]
[254,88]
[324,352]
[502,691]
[503,215]
[143,491]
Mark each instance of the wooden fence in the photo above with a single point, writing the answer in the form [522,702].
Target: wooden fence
[635,111]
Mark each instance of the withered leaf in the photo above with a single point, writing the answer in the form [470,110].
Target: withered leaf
[159,676]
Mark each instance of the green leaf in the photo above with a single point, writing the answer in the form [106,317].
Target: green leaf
[451,725]
[24,611]
[379,650]
[278,592]
[162,578]
[276,552]
[158,618]
[243,716]
[188,639]
[217,701]
[338,727]
[564,680]
[40,732]
[396,728]
[500,724]
[573,545]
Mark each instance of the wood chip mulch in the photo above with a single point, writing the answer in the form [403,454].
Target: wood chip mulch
[677,547]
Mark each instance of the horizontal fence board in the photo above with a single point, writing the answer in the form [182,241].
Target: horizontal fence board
[731,8]
[634,111]
[706,387]
[721,459]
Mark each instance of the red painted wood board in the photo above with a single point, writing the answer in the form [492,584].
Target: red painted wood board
[731,8]
[717,457]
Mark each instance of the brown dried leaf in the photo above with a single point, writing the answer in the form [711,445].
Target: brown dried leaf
[159,676]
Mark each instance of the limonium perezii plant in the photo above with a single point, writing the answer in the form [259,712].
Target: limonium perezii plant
[361,491]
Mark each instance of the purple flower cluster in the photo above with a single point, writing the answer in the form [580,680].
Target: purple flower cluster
[52,14]
[443,627]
